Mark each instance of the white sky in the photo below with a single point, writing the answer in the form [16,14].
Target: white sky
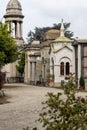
[42,13]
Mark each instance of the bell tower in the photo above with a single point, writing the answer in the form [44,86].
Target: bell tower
[15,18]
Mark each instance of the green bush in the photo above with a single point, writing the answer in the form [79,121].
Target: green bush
[81,82]
[69,113]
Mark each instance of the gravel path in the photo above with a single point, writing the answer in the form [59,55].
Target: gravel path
[24,107]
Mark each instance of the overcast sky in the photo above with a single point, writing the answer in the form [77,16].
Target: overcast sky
[42,13]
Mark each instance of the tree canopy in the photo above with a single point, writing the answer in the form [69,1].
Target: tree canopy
[38,34]
[21,63]
[8,47]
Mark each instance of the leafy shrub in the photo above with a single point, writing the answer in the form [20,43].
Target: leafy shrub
[81,82]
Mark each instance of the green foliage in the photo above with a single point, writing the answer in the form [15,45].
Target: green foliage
[65,114]
[21,63]
[40,32]
[2,57]
[8,48]
[81,81]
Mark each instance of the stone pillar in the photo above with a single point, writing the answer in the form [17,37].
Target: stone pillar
[30,71]
[20,29]
[79,61]
[73,62]
[44,71]
[33,71]
[11,27]
[8,26]
[35,78]
[27,68]
[17,30]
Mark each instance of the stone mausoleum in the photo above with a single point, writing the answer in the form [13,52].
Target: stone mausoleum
[59,56]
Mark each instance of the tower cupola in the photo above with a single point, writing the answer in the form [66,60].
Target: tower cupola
[15,18]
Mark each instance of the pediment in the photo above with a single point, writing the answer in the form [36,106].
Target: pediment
[60,49]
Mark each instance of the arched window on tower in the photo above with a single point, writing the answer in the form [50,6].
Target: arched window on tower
[62,68]
[67,68]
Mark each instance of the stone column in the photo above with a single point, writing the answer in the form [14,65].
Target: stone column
[30,71]
[8,26]
[35,72]
[73,62]
[17,30]
[44,71]
[20,29]
[79,61]
[27,68]
[11,27]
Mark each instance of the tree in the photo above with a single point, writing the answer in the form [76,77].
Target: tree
[39,32]
[8,47]
[21,63]
[68,33]
[30,37]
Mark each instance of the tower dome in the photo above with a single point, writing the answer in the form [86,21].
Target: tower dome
[14,8]
[14,4]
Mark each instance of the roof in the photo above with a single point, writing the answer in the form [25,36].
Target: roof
[53,31]
[52,34]
[32,47]
[81,40]
[14,4]
[46,43]
[36,54]
[62,39]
